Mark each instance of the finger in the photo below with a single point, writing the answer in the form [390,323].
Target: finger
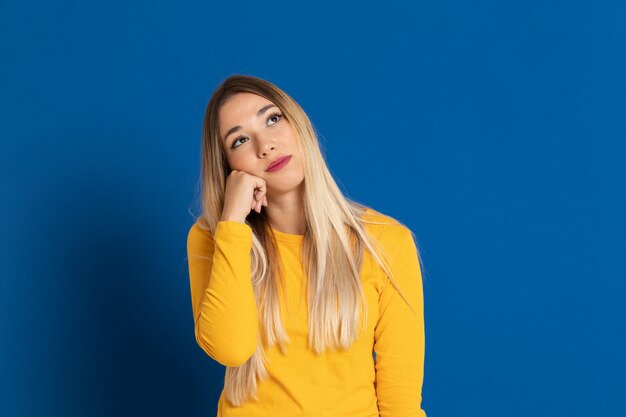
[260,185]
[265,201]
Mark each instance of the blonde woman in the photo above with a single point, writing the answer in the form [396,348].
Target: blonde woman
[311,301]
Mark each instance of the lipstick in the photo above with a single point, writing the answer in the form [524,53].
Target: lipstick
[279,163]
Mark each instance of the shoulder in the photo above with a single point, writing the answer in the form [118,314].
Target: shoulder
[229,232]
[392,234]
[198,235]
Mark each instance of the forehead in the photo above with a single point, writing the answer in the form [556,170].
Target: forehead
[239,108]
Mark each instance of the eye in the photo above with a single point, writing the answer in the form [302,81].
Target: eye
[234,145]
[278,116]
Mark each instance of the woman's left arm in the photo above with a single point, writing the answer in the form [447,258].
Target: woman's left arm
[399,337]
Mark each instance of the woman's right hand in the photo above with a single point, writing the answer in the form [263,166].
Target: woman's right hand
[244,192]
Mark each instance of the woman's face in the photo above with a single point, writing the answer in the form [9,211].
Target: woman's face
[254,133]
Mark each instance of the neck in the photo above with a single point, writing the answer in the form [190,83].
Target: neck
[285,212]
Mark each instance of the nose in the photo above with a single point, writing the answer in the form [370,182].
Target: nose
[266,145]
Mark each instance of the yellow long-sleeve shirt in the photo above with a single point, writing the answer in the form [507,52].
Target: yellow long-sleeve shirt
[346,383]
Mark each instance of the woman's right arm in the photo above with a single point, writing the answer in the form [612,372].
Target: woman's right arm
[224,307]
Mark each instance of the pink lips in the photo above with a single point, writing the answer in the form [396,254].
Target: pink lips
[280,162]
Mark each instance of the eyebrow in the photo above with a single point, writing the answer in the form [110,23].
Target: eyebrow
[258,114]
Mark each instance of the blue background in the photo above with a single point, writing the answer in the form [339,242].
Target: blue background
[494,130]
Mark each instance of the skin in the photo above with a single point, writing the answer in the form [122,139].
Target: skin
[261,140]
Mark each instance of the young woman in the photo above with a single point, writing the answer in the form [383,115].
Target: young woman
[311,301]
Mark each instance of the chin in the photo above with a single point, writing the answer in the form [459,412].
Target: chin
[284,187]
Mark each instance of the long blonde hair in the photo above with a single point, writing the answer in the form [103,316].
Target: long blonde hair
[332,248]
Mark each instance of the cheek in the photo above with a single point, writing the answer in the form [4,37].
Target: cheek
[234,162]
[242,161]
[292,140]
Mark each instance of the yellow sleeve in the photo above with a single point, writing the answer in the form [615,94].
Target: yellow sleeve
[224,307]
[399,339]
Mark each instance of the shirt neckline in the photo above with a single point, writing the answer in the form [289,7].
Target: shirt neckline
[291,238]
[287,237]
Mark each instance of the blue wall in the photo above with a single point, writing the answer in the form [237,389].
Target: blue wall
[495,130]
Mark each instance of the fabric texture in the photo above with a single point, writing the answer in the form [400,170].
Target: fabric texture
[348,383]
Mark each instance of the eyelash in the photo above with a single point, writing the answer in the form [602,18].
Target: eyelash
[268,118]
